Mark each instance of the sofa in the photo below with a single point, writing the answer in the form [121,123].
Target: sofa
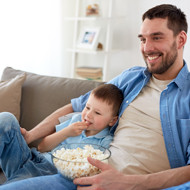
[31,97]
[36,96]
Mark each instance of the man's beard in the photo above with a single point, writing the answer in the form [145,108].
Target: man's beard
[167,62]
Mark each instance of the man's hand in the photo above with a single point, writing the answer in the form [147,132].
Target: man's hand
[111,179]
[108,179]
[25,134]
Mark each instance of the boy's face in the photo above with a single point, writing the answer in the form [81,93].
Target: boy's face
[98,115]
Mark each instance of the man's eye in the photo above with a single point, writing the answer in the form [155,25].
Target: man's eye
[142,40]
[156,38]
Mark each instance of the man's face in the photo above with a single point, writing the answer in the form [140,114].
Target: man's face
[158,45]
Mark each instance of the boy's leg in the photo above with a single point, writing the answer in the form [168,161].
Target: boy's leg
[16,159]
[50,182]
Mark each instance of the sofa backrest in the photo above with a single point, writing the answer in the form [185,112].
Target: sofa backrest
[42,95]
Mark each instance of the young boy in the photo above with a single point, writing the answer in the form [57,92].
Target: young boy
[91,126]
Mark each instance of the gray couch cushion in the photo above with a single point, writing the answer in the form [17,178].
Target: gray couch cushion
[10,95]
[41,95]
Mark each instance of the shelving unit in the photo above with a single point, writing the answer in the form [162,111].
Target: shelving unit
[80,19]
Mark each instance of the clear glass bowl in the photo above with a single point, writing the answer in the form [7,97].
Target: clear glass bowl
[71,159]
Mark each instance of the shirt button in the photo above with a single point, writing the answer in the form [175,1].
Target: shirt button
[127,101]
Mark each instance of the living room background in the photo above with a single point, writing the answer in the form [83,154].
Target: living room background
[34,35]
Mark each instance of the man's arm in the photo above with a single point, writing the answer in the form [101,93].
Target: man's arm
[47,126]
[111,179]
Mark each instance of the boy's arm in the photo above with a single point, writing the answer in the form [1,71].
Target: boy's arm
[53,140]
[47,126]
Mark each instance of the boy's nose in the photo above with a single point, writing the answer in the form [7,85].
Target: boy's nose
[89,114]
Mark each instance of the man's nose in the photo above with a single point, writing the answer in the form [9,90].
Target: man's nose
[148,46]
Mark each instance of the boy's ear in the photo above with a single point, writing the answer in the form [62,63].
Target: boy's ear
[113,121]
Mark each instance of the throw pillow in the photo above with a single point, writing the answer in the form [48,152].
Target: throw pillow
[10,95]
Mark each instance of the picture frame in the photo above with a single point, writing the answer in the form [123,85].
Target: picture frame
[88,38]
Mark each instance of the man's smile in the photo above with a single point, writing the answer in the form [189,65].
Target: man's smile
[153,57]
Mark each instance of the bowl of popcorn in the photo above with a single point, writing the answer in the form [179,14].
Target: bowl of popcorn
[71,159]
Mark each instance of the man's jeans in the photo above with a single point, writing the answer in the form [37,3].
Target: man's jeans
[57,182]
[49,182]
[17,160]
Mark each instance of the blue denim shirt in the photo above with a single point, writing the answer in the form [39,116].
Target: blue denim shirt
[174,109]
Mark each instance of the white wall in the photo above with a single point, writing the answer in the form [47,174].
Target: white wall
[34,36]
[31,35]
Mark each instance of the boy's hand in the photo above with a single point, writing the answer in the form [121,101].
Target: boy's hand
[76,129]
[25,134]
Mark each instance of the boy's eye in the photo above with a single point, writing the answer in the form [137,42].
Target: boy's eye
[87,108]
[98,113]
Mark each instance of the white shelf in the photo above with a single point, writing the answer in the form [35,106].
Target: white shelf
[85,51]
[113,51]
[94,18]
[79,22]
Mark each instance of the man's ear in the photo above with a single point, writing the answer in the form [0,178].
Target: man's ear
[182,38]
[113,121]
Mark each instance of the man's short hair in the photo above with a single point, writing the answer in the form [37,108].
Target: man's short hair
[176,18]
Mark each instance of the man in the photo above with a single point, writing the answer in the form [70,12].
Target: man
[152,138]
